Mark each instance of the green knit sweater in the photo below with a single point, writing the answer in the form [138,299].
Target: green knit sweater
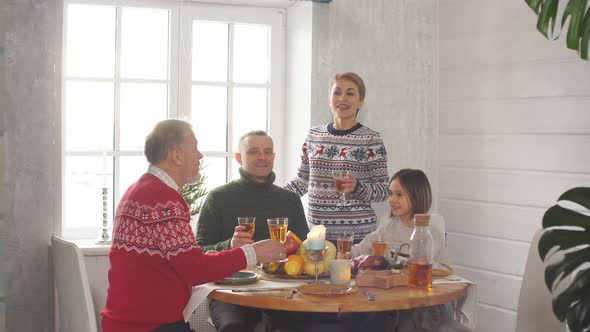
[246,198]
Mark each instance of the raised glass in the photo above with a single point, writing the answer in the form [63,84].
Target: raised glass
[249,224]
[277,228]
[340,180]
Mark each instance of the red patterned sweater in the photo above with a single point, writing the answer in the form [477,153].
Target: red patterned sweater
[154,259]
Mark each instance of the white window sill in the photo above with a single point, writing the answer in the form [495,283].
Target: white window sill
[91,248]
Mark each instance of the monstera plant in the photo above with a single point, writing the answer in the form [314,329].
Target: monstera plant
[576,13]
[568,231]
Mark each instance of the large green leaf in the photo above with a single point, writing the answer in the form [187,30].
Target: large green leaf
[585,33]
[555,272]
[579,195]
[576,12]
[576,292]
[568,231]
[559,216]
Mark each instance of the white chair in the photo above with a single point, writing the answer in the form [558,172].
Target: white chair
[534,304]
[75,307]
[200,320]
[438,221]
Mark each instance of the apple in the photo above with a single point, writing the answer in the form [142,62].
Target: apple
[290,245]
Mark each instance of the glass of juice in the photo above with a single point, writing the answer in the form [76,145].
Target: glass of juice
[277,228]
[249,225]
[379,248]
[341,181]
[344,243]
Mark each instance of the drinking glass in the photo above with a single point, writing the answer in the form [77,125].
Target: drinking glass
[340,178]
[379,248]
[249,225]
[344,243]
[278,230]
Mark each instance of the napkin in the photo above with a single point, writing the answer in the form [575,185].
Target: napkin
[200,293]
[464,309]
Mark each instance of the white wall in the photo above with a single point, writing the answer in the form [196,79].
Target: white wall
[391,45]
[514,134]
[298,89]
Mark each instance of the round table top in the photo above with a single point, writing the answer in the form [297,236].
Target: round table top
[395,298]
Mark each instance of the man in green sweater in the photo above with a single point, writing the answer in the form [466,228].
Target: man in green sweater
[253,195]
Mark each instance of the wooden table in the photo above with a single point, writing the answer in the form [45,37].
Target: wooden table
[395,298]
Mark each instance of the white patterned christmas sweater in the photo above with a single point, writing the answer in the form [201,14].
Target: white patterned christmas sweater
[359,150]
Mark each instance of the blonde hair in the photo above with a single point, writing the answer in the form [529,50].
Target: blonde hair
[417,186]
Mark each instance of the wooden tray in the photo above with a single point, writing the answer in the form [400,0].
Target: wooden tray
[326,289]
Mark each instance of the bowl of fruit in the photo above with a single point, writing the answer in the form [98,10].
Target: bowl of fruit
[298,265]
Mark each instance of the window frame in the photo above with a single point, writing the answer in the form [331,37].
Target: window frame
[179,86]
[269,16]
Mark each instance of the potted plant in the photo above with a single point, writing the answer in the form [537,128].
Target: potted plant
[578,13]
[567,231]
[192,194]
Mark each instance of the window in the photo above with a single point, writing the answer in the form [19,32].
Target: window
[127,67]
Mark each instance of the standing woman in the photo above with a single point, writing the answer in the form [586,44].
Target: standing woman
[345,145]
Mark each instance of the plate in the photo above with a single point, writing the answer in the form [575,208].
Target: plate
[303,276]
[239,278]
[441,273]
[326,289]
[435,272]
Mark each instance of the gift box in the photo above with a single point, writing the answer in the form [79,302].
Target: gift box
[381,278]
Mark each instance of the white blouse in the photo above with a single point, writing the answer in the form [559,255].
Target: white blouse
[395,233]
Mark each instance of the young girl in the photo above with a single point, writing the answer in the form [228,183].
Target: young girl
[409,194]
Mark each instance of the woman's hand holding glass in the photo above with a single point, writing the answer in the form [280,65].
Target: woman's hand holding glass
[345,182]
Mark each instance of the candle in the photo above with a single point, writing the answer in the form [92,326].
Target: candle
[316,238]
[340,272]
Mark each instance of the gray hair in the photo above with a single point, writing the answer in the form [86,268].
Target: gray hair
[166,135]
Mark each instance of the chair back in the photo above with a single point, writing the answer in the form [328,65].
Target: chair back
[534,304]
[438,221]
[74,300]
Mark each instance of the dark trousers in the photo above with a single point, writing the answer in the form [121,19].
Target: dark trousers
[174,327]
[233,318]
[328,322]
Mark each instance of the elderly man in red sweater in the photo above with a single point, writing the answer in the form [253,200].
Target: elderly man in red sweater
[154,258]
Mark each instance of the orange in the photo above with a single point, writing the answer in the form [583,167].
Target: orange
[293,268]
[295,237]
[272,267]
[296,258]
